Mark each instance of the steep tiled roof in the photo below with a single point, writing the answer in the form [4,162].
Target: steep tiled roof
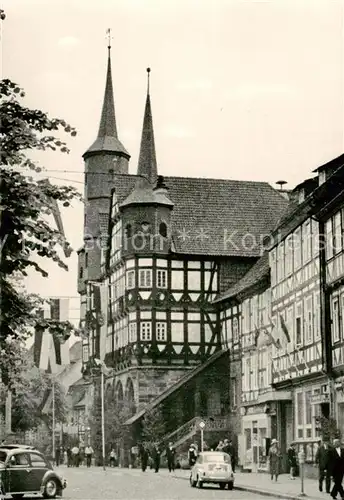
[257,272]
[217,216]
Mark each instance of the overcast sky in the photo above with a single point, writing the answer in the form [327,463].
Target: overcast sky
[240,89]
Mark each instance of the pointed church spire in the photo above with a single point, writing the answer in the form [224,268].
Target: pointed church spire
[107,139]
[147,166]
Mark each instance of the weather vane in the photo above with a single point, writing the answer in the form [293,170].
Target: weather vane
[109,37]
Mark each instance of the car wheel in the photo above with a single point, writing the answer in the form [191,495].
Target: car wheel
[222,486]
[230,485]
[50,489]
[199,483]
[18,496]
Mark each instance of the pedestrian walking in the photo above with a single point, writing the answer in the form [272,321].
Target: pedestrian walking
[156,453]
[336,464]
[229,448]
[170,454]
[322,458]
[88,455]
[75,456]
[292,460]
[113,458]
[192,455]
[144,455]
[57,456]
[69,457]
[274,459]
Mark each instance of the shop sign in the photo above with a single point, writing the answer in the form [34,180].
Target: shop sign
[319,398]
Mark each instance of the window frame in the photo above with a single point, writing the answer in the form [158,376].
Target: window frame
[145,336]
[158,326]
[159,274]
[145,283]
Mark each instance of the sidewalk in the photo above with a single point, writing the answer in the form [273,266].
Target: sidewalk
[261,484]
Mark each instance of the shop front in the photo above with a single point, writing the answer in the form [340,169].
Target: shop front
[311,404]
[255,440]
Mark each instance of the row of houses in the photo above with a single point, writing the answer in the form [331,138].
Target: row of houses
[290,310]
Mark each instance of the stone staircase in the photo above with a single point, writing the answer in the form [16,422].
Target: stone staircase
[215,429]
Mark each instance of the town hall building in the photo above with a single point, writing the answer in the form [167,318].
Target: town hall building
[157,253]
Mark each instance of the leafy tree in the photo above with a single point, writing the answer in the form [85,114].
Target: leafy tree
[153,426]
[30,390]
[328,428]
[25,204]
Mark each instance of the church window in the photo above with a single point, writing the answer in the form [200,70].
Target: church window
[161,279]
[81,272]
[161,331]
[132,332]
[86,260]
[130,279]
[163,230]
[145,278]
[146,330]
[128,231]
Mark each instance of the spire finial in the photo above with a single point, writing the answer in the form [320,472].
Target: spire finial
[109,38]
[148,75]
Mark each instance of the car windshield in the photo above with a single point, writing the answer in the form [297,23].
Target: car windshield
[216,457]
[3,456]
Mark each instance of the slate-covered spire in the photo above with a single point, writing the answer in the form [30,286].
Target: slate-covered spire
[107,139]
[147,166]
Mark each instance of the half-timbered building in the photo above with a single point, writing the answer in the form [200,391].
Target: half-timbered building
[161,250]
[331,221]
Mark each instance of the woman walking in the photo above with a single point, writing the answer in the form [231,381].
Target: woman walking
[274,459]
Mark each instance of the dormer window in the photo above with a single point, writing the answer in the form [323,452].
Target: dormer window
[163,230]
[128,231]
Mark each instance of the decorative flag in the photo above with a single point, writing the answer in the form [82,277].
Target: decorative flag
[284,328]
[49,352]
[100,297]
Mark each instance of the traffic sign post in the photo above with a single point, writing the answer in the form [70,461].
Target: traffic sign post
[201,426]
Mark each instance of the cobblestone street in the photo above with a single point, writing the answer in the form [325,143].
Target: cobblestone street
[126,484]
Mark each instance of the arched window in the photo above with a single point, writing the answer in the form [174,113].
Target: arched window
[128,231]
[119,394]
[130,396]
[163,230]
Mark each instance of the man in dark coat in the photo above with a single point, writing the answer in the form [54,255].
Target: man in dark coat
[156,452]
[336,465]
[292,460]
[170,455]
[230,449]
[143,452]
[322,460]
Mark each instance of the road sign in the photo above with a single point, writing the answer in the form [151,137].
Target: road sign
[202,424]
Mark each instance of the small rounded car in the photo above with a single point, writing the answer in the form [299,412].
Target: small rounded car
[212,467]
[25,471]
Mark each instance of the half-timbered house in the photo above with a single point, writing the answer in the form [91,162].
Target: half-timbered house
[161,250]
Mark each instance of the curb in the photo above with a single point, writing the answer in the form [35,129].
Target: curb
[265,493]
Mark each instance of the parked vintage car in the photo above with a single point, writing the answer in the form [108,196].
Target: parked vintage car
[212,467]
[25,471]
